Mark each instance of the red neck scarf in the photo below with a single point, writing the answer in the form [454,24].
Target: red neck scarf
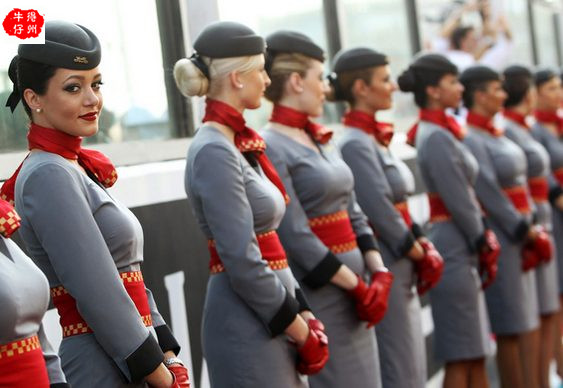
[67,146]
[550,118]
[383,132]
[293,118]
[246,139]
[516,117]
[438,117]
[484,123]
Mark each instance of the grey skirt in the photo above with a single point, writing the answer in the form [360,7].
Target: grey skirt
[461,327]
[402,352]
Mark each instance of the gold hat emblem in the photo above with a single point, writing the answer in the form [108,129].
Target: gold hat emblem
[79,59]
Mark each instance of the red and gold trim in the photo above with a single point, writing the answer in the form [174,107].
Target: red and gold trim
[403,208]
[72,322]
[335,231]
[539,189]
[270,247]
[518,195]
[22,364]
[438,210]
[559,175]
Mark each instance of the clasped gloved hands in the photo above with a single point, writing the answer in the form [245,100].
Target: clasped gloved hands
[313,355]
[371,301]
[429,269]
[488,258]
[537,248]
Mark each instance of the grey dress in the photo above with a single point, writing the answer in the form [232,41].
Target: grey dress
[380,181]
[458,304]
[24,299]
[554,146]
[81,238]
[512,298]
[539,166]
[320,183]
[248,306]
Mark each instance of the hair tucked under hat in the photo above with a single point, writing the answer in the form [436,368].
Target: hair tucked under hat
[517,82]
[350,65]
[67,45]
[426,70]
[476,78]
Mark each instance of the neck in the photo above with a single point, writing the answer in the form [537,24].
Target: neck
[365,108]
[479,110]
[289,102]
[546,107]
[434,105]
[229,99]
[522,109]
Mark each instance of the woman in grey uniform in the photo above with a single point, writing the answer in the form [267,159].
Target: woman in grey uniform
[26,357]
[501,189]
[88,245]
[329,243]
[520,103]
[461,335]
[548,130]
[238,199]
[382,183]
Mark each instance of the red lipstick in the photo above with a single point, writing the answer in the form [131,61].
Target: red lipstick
[90,116]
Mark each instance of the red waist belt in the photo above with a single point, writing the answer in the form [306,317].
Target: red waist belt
[519,198]
[270,247]
[73,323]
[403,208]
[559,175]
[335,231]
[22,364]
[539,189]
[438,210]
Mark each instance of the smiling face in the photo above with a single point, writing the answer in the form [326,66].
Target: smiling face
[313,90]
[72,102]
[448,92]
[380,89]
[491,99]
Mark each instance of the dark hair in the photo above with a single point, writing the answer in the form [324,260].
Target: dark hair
[341,85]
[476,78]
[458,35]
[517,82]
[426,70]
[28,74]
[543,76]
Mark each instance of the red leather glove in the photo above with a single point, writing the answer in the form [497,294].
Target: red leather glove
[371,302]
[429,269]
[181,379]
[543,245]
[313,355]
[488,259]
[530,258]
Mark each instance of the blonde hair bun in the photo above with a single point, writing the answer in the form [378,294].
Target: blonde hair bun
[189,79]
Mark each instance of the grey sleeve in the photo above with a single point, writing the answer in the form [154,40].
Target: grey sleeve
[52,360]
[303,247]
[218,182]
[445,168]
[57,208]
[164,335]
[490,194]
[364,234]
[374,196]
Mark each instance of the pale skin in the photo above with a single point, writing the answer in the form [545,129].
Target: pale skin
[70,98]
[307,94]
[245,91]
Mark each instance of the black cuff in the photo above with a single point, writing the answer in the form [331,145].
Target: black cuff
[407,244]
[323,272]
[480,243]
[166,339]
[367,242]
[145,359]
[60,385]
[554,193]
[303,302]
[521,230]
[417,231]
[285,315]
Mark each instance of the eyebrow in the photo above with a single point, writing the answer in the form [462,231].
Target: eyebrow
[81,77]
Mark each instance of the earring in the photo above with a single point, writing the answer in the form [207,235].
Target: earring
[39,110]
[240,86]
